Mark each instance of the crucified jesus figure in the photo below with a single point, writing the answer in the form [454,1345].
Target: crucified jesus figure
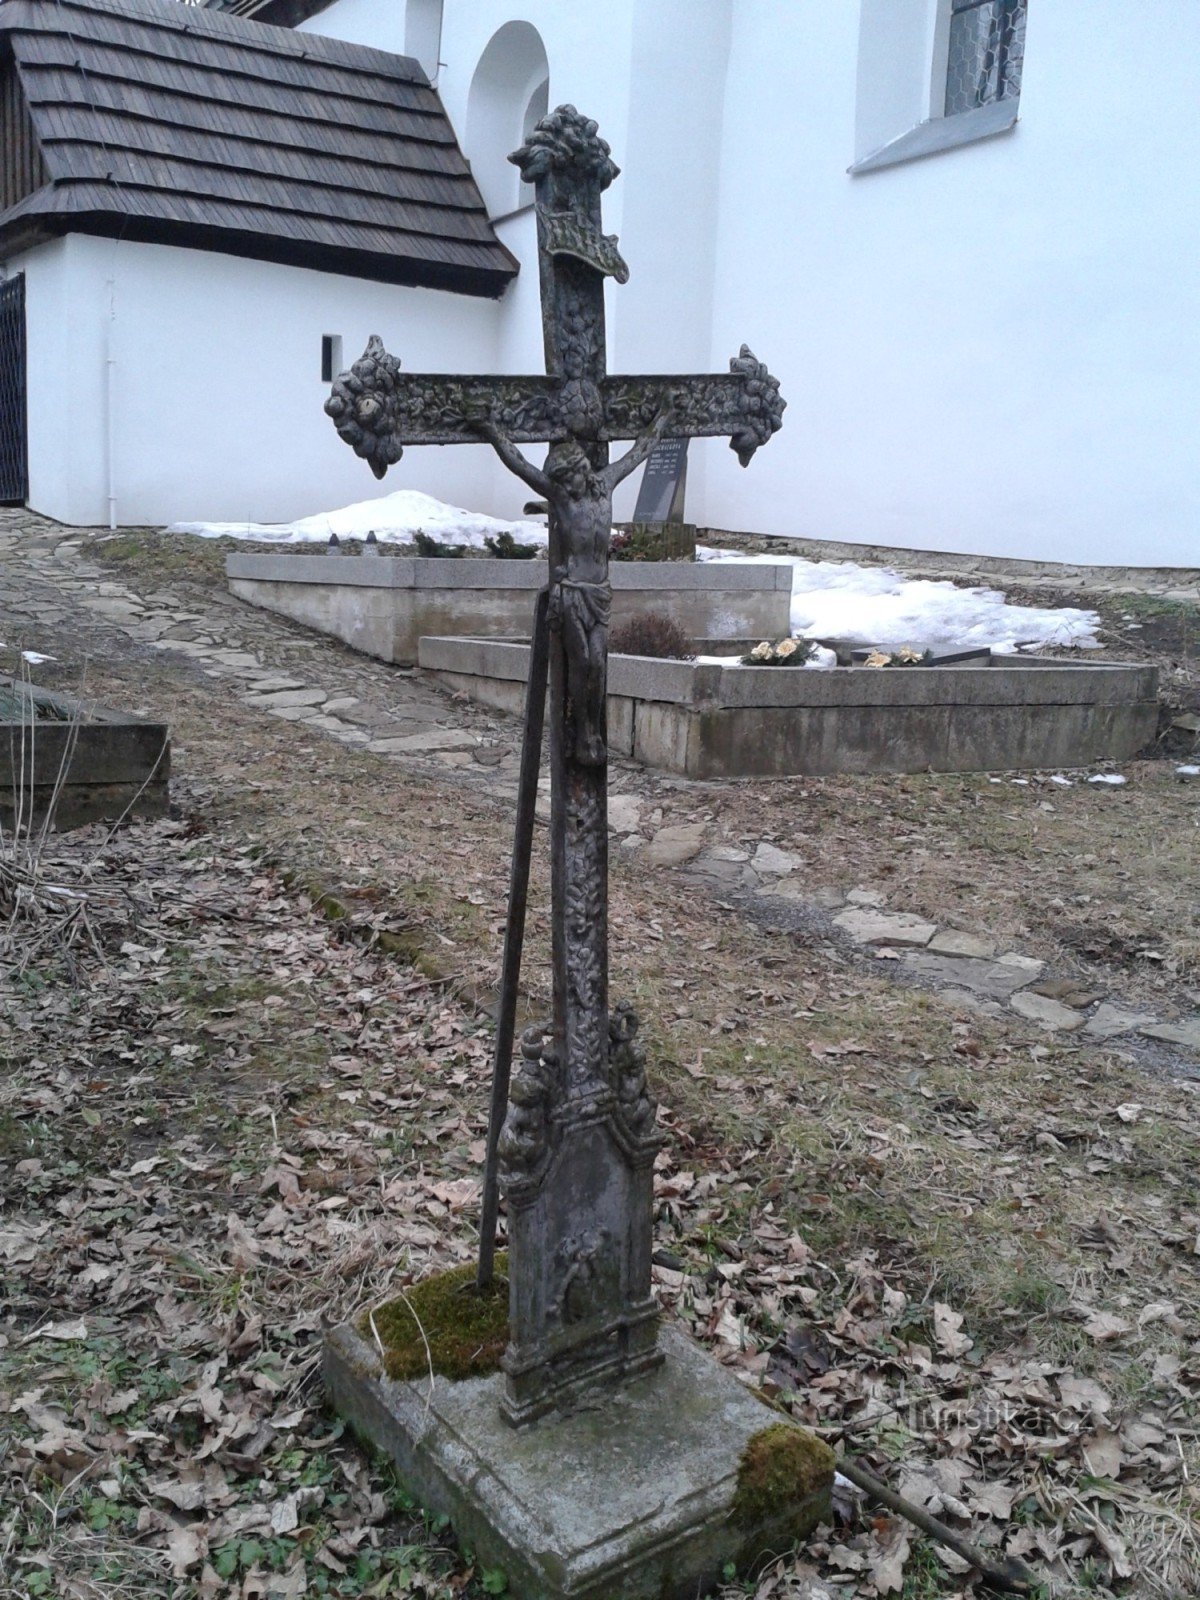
[580,494]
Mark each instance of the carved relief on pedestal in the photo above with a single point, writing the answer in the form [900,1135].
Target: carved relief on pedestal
[525,1139]
[627,1062]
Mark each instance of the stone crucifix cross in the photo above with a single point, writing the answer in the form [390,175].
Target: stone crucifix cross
[577,1150]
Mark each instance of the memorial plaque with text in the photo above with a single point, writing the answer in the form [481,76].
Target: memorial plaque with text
[664,483]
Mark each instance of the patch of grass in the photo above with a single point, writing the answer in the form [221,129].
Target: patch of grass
[445,1322]
[154,557]
[924,1575]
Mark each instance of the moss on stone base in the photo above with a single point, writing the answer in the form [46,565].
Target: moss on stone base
[466,1331]
[777,1472]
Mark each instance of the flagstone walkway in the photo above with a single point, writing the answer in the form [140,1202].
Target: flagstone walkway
[50,584]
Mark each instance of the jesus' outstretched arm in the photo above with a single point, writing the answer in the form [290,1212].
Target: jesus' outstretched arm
[513,459]
[642,445]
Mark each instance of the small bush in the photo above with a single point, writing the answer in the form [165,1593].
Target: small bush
[505,548]
[653,634]
[654,541]
[425,544]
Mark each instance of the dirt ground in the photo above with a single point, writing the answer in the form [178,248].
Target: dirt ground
[960,1248]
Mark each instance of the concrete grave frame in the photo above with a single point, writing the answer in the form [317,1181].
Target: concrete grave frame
[709,721]
[384,605]
[115,764]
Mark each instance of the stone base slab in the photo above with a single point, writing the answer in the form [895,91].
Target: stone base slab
[629,1497]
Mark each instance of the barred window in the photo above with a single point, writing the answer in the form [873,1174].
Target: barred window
[987,45]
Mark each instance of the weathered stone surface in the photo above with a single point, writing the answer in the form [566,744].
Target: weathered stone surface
[996,980]
[1047,1013]
[828,898]
[430,739]
[1110,1022]
[626,1499]
[287,697]
[950,942]
[963,999]
[865,925]
[624,813]
[272,682]
[727,852]
[672,846]
[1030,965]
[770,858]
[1186,1033]
[864,897]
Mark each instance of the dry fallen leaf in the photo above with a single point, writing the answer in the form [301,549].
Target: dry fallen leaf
[946,1328]
[1103,1325]
[75,1329]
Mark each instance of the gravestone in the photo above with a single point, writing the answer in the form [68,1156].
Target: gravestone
[664,484]
[604,1459]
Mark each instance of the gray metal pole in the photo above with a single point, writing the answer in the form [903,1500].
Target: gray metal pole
[514,932]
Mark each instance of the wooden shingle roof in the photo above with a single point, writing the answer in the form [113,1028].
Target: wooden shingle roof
[158,121]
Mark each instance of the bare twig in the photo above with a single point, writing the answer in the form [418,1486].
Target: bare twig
[1010,1575]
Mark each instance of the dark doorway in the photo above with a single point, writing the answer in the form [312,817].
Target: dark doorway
[14,454]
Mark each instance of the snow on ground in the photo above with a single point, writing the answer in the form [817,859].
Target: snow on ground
[876,606]
[830,599]
[393,518]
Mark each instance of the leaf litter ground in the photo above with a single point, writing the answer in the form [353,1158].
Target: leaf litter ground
[960,1251]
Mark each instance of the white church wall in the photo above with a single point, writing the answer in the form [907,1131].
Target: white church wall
[993,349]
[65,382]
[217,392]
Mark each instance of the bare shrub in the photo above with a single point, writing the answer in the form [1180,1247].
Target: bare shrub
[653,634]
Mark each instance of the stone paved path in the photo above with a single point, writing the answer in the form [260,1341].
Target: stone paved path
[49,583]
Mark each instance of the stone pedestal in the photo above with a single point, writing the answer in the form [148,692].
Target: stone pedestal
[631,1496]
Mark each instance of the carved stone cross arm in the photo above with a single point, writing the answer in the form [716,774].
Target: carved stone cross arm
[743,405]
[378,409]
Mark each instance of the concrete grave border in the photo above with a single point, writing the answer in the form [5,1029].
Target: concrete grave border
[384,605]
[710,721]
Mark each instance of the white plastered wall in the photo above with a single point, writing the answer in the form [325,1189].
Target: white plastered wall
[996,349]
[217,395]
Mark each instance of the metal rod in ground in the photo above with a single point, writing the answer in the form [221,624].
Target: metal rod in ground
[514,931]
[1001,1572]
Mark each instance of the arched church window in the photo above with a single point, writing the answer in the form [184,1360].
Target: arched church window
[423,33]
[509,94]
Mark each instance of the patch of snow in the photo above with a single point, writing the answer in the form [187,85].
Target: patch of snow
[1057,777]
[34,658]
[1113,779]
[393,518]
[876,606]
[1187,772]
